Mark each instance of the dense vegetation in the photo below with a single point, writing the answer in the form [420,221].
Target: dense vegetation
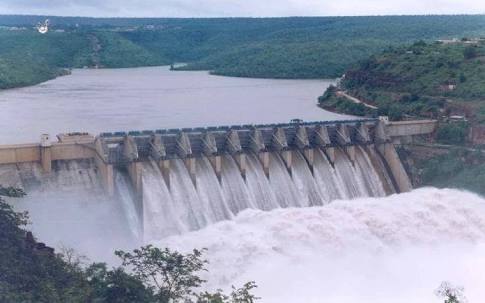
[434,80]
[31,272]
[423,79]
[320,47]
[27,57]
[452,133]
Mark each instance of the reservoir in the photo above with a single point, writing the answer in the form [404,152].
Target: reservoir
[152,98]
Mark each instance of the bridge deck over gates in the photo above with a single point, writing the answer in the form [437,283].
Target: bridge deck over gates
[121,147]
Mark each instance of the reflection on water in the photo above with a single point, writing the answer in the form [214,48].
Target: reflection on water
[150,98]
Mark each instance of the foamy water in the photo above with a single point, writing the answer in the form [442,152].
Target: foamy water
[394,249]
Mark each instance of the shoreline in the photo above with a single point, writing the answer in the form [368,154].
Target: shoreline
[68,72]
[62,72]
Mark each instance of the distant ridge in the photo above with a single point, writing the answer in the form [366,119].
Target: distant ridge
[285,48]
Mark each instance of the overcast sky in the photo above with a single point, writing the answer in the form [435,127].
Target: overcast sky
[225,8]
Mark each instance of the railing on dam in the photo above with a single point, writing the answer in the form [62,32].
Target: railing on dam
[234,127]
[121,147]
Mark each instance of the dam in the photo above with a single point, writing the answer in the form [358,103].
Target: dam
[170,181]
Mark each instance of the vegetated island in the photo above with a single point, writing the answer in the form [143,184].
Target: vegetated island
[442,80]
[297,47]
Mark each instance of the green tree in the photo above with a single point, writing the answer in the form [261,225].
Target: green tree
[462,78]
[243,294]
[238,295]
[452,133]
[117,286]
[470,52]
[172,274]
[450,293]
[395,112]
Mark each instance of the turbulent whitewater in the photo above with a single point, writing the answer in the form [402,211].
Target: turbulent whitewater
[393,249]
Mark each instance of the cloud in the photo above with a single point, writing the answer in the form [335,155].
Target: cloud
[253,8]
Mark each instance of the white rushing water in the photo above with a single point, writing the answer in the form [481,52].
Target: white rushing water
[305,182]
[258,184]
[126,197]
[235,190]
[376,250]
[212,200]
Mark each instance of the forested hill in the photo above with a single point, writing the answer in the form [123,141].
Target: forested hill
[433,80]
[313,47]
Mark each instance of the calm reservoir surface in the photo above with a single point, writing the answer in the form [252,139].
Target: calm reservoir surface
[151,98]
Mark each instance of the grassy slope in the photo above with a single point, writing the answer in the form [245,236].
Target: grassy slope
[409,80]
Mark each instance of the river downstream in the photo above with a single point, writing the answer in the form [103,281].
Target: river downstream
[152,98]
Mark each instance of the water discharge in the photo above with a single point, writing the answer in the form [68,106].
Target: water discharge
[283,186]
[235,190]
[212,199]
[368,173]
[126,198]
[160,214]
[185,197]
[329,181]
[305,182]
[210,192]
[258,184]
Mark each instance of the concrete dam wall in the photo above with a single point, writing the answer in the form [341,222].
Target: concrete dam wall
[171,181]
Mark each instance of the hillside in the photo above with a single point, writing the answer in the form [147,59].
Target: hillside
[433,80]
[424,79]
[313,47]
[27,57]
